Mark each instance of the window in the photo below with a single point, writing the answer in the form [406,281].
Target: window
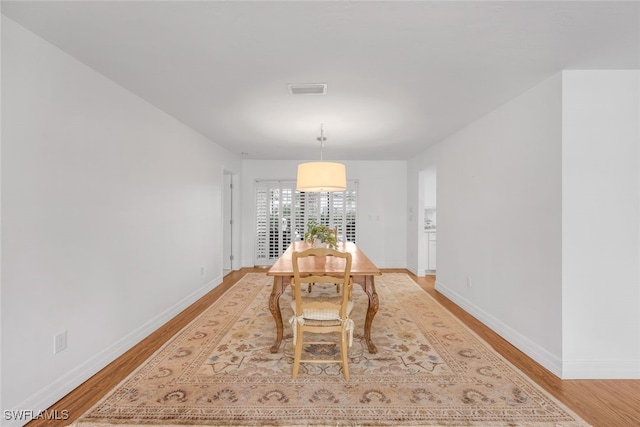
[282,214]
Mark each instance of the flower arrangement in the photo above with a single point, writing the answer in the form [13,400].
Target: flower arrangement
[320,233]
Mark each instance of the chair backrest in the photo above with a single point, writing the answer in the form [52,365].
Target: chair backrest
[335,232]
[321,265]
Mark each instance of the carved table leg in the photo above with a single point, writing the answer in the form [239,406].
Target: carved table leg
[274,307]
[370,289]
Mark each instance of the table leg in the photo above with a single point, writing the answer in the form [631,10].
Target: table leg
[274,307]
[370,289]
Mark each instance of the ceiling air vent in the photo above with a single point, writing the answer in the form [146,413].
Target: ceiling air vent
[307,89]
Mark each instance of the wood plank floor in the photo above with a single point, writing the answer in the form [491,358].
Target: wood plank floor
[602,403]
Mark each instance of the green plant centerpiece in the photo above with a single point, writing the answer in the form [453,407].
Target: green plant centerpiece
[320,233]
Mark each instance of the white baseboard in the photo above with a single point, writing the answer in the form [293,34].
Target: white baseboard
[584,369]
[545,358]
[420,271]
[72,379]
[600,370]
[417,271]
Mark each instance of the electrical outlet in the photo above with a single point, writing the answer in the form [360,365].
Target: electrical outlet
[468,282]
[202,271]
[59,342]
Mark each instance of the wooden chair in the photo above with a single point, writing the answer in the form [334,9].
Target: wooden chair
[318,314]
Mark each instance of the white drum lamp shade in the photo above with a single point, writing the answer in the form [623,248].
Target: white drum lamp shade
[321,177]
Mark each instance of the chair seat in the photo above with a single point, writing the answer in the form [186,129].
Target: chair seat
[325,317]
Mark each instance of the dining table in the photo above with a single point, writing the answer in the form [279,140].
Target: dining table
[363,272]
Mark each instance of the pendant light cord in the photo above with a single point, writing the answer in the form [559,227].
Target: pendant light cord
[321,138]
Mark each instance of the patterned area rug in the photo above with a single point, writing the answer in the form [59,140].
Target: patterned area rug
[430,370]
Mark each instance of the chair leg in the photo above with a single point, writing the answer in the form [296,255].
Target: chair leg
[344,353]
[298,353]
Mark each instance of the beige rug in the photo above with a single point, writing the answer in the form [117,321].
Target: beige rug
[430,370]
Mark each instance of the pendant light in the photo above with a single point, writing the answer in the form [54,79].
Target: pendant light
[321,176]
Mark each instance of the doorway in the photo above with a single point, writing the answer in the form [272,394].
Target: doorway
[427,223]
[228,228]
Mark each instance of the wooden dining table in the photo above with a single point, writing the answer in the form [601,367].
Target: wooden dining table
[362,270]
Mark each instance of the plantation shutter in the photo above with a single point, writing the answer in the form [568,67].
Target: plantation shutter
[282,214]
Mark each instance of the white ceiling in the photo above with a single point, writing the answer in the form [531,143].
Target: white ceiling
[401,75]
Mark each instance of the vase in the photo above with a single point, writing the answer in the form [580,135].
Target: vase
[319,244]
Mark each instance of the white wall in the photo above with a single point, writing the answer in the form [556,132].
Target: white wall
[429,187]
[499,220]
[601,224]
[109,210]
[539,222]
[381,222]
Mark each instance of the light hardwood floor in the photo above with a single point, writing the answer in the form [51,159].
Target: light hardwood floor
[602,403]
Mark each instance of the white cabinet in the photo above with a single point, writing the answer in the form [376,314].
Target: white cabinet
[431,250]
